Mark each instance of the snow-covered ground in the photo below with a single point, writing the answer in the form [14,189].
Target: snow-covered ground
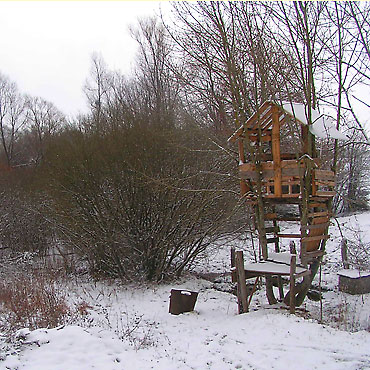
[129,327]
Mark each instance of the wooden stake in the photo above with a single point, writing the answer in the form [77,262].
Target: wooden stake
[242,287]
[233,272]
[293,261]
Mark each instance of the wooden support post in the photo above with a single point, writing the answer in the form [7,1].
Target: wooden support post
[241,151]
[343,249]
[293,261]
[276,151]
[233,268]
[253,290]
[242,287]
[292,247]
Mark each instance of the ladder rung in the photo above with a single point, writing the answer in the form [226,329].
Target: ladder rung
[270,216]
[289,236]
[315,238]
[315,227]
[272,229]
[319,214]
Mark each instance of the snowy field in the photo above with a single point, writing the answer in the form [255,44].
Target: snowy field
[129,327]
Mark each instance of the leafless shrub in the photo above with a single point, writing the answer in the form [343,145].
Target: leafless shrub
[31,300]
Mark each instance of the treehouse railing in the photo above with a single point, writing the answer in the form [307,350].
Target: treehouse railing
[291,172]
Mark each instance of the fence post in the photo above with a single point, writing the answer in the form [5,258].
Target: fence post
[242,287]
[293,261]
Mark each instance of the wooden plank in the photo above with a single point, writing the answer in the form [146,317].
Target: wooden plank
[288,181]
[268,175]
[309,256]
[242,288]
[288,156]
[319,214]
[248,175]
[294,195]
[270,216]
[327,194]
[325,183]
[315,227]
[302,274]
[286,218]
[317,199]
[315,238]
[291,164]
[292,172]
[320,220]
[272,229]
[267,166]
[317,205]
[293,260]
[271,268]
[247,167]
[324,175]
[313,254]
[293,236]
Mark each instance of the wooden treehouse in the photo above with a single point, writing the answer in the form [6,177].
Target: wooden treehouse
[282,179]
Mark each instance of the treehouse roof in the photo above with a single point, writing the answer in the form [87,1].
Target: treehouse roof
[322,126]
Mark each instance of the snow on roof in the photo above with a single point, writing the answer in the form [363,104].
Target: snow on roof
[322,126]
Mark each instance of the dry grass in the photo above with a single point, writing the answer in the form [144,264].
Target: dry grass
[32,300]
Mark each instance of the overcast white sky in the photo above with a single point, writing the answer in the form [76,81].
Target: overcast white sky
[46,46]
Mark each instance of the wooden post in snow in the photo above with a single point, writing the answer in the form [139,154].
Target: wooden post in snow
[233,268]
[242,287]
[293,261]
[343,249]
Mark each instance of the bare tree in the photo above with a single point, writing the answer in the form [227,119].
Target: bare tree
[97,89]
[44,120]
[12,118]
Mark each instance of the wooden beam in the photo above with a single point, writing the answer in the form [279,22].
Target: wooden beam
[276,151]
[241,151]
[256,116]
[264,138]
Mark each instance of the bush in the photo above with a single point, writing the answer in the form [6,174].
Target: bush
[23,227]
[139,201]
